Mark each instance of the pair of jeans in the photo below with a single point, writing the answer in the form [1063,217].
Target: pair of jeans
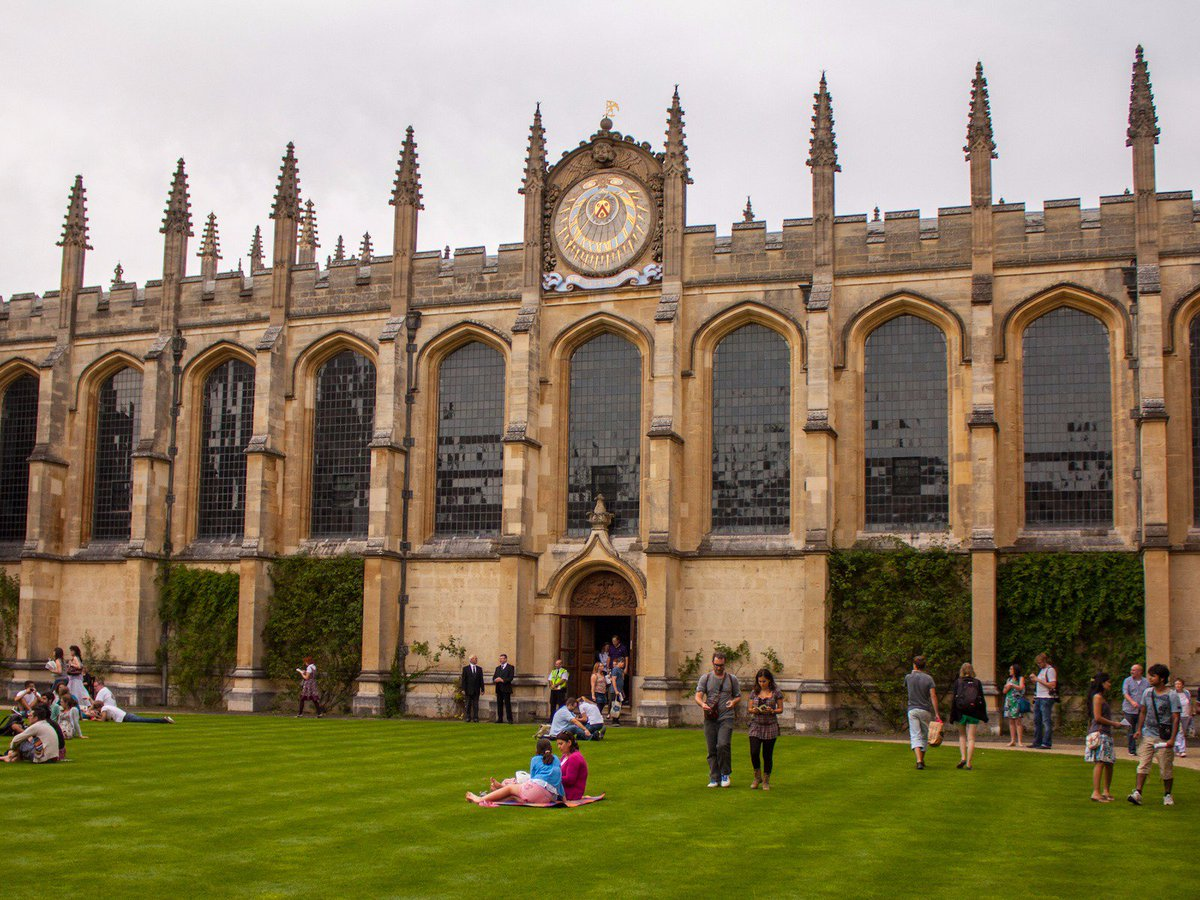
[718,733]
[1043,723]
[1131,718]
[153,720]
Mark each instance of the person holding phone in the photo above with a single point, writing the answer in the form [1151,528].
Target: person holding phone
[718,694]
[766,703]
[1044,697]
[308,687]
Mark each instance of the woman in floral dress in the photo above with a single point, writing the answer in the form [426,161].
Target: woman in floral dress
[1014,690]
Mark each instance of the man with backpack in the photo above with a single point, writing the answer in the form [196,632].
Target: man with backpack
[718,694]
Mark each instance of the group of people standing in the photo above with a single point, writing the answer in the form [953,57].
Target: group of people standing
[1157,712]
[472,684]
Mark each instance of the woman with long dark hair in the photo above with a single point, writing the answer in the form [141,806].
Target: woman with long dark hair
[766,703]
[57,667]
[1014,693]
[544,784]
[75,676]
[1098,748]
[574,766]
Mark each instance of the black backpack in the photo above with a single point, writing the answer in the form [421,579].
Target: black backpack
[968,693]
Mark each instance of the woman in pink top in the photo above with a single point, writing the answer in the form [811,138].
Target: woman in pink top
[574,767]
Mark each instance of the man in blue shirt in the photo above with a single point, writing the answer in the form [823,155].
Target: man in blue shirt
[1157,726]
[566,721]
[1132,689]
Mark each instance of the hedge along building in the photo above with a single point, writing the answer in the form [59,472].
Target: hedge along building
[744,403]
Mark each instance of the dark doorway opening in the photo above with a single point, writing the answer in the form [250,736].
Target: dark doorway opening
[581,639]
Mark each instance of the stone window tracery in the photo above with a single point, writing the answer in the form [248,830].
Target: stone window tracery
[18,432]
[604,433]
[1194,343]
[751,436]
[343,421]
[226,426]
[470,464]
[906,433]
[118,413]
[1068,421]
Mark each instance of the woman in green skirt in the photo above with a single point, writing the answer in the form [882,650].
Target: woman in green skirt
[967,711]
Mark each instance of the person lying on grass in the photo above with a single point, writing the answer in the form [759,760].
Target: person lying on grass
[38,743]
[113,713]
[544,785]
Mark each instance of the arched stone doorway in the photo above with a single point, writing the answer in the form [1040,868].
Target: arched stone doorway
[602,604]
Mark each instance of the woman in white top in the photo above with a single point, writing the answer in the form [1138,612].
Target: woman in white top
[1185,720]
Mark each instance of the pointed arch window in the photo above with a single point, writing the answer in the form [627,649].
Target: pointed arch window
[470,463]
[751,438]
[343,421]
[18,432]
[906,446]
[226,426]
[1068,421]
[118,414]
[1194,343]
[604,433]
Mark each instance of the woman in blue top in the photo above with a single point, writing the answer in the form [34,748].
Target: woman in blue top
[544,784]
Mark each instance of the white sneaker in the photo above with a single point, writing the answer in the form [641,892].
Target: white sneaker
[1135,798]
[725,782]
[1168,800]
[714,784]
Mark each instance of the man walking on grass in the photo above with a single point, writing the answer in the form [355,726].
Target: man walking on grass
[718,694]
[1157,727]
[1132,690]
[922,708]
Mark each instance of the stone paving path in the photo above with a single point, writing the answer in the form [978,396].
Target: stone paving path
[1069,747]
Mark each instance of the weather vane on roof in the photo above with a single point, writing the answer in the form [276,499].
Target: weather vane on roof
[611,106]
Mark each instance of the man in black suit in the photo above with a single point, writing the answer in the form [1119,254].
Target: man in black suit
[472,687]
[503,679]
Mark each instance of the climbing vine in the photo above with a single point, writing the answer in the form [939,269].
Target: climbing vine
[1087,610]
[200,609]
[887,606]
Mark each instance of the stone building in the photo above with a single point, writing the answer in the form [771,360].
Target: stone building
[743,402]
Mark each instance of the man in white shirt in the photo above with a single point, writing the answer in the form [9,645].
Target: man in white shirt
[103,695]
[1044,699]
[113,713]
[595,719]
[27,699]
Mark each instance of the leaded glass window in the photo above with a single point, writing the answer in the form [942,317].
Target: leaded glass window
[118,412]
[1194,340]
[18,431]
[906,427]
[343,422]
[1068,422]
[470,464]
[225,428]
[751,439]
[605,435]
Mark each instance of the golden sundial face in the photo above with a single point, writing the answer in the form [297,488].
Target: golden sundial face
[602,223]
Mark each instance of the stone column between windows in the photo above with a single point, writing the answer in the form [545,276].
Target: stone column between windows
[265,461]
[381,568]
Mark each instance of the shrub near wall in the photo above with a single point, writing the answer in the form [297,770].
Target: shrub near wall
[316,610]
[887,606]
[1086,609]
[200,609]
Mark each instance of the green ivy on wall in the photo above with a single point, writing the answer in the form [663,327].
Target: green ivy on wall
[10,603]
[200,609]
[887,606]
[1087,610]
[316,610]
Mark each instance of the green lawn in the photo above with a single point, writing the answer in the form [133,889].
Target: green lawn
[274,807]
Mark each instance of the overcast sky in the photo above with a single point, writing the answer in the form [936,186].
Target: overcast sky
[117,91]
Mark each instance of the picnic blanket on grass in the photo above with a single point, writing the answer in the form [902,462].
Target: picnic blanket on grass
[560,804]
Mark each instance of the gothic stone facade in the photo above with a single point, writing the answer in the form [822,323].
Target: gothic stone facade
[745,402]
